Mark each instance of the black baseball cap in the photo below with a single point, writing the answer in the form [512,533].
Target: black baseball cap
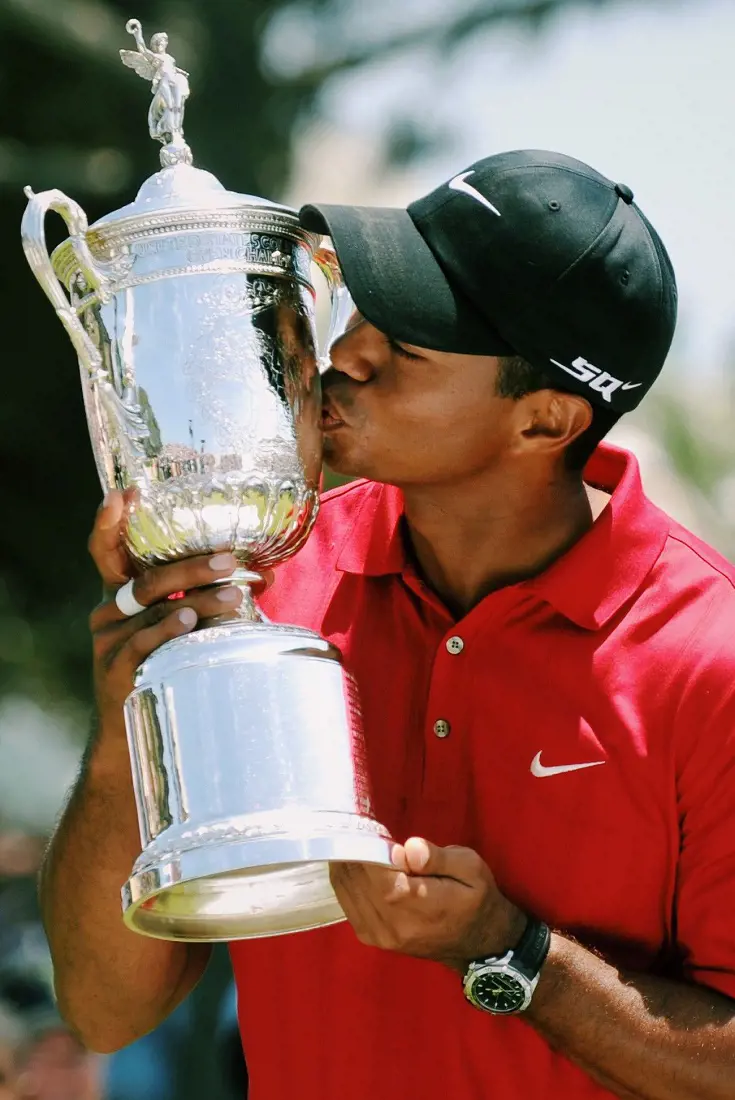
[525,253]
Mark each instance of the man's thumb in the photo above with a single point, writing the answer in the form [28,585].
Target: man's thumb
[454,861]
[421,856]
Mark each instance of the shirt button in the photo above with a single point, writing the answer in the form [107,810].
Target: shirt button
[455,644]
[441,728]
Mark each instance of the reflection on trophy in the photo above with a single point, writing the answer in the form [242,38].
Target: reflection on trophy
[192,314]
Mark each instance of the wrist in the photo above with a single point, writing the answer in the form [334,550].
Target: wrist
[508,926]
[515,925]
[505,933]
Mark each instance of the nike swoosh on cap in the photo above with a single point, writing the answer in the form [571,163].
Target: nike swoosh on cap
[541,772]
[459,183]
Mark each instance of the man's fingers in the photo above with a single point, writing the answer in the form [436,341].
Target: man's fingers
[417,858]
[110,511]
[427,859]
[157,584]
[111,630]
[182,576]
[398,858]
[106,541]
[142,643]
[339,875]
[361,902]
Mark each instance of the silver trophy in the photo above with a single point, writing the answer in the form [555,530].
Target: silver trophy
[192,314]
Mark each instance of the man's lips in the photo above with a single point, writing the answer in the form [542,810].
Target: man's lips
[330,418]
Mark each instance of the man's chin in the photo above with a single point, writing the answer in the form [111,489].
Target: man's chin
[341,463]
[347,462]
[344,471]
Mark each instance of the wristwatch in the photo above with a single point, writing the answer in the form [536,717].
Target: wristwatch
[504,984]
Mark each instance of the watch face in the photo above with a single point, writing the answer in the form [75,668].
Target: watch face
[500,993]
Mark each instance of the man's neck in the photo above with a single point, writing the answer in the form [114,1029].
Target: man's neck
[470,540]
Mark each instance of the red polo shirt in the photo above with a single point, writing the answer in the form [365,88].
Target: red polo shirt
[621,654]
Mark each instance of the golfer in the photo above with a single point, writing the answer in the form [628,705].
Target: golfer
[547,669]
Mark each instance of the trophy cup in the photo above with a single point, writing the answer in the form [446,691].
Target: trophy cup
[192,314]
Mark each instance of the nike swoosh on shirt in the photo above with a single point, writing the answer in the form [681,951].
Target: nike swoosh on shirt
[459,183]
[541,772]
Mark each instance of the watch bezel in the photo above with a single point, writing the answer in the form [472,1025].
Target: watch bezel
[504,967]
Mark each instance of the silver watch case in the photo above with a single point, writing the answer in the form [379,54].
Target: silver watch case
[503,965]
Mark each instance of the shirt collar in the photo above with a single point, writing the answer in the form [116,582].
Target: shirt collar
[374,545]
[606,567]
[588,584]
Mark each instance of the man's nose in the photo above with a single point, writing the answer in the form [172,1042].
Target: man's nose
[354,353]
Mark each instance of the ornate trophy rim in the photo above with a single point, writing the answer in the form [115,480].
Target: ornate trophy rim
[105,235]
[108,243]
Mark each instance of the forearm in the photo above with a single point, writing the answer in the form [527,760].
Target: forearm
[640,1036]
[113,985]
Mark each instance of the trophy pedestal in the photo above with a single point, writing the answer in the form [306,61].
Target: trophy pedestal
[290,893]
[249,781]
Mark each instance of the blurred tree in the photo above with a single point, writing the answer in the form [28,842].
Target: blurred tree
[71,117]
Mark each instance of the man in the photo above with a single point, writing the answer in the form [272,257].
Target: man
[546,666]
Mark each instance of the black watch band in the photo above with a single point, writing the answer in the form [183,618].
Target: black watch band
[531,950]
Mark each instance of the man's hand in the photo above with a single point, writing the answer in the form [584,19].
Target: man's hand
[439,903]
[121,643]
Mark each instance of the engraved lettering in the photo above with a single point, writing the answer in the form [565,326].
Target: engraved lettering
[152,247]
[203,248]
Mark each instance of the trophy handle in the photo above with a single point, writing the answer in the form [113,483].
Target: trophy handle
[33,235]
[342,304]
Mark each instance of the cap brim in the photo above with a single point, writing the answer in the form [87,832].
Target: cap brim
[396,282]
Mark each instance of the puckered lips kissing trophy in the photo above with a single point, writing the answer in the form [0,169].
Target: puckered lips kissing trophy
[192,313]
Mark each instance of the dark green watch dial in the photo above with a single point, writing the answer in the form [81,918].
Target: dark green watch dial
[499,992]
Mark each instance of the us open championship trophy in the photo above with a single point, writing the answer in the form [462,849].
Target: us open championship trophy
[191,311]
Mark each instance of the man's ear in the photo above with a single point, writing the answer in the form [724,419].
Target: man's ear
[549,421]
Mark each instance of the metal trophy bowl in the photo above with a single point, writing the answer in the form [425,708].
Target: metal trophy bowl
[192,314]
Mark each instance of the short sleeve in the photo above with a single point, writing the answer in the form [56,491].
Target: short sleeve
[704,732]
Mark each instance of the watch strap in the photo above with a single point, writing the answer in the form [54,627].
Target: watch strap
[529,955]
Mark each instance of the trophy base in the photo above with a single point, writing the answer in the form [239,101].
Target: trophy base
[289,891]
[250,779]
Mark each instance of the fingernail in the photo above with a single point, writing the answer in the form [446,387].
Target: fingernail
[220,562]
[187,616]
[398,857]
[418,852]
[228,595]
[108,520]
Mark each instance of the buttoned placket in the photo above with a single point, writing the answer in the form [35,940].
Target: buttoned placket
[452,699]
[445,720]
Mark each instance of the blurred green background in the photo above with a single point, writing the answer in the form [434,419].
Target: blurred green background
[338,100]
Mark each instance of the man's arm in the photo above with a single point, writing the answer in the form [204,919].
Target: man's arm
[637,1035]
[643,1038]
[114,985]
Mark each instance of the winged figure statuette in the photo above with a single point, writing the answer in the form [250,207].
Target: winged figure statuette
[170,90]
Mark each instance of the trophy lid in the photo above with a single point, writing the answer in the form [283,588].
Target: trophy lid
[178,186]
[181,187]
